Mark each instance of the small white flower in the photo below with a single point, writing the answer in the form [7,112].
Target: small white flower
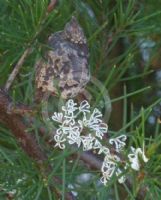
[69,121]
[106,175]
[98,126]
[60,141]
[69,109]
[108,168]
[70,106]
[122,178]
[73,189]
[109,165]
[87,142]
[102,149]
[58,117]
[119,142]
[134,157]
[95,118]
[97,144]
[101,129]
[74,137]
[84,107]
[64,130]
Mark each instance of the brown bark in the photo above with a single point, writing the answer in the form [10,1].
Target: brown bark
[15,123]
[26,140]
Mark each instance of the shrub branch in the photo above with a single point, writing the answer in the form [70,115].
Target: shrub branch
[28,143]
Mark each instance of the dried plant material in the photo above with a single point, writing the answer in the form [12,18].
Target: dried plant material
[65,67]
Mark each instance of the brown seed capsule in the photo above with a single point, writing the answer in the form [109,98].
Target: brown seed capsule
[65,68]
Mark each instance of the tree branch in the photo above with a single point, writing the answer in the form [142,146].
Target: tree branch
[27,142]
[17,68]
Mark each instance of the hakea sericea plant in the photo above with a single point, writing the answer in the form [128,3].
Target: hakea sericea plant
[80,126]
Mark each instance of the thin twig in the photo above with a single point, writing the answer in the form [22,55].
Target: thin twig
[17,68]
[19,64]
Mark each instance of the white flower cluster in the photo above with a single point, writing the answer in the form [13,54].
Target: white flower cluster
[134,158]
[71,127]
[79,126]
[110,163]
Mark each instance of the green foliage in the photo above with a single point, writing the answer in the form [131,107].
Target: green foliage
[113,30]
